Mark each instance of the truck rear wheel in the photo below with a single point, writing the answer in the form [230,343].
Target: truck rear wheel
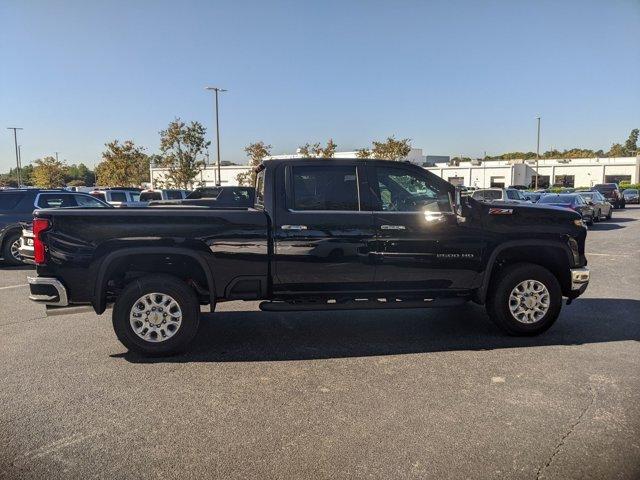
[156,315]
[525,300]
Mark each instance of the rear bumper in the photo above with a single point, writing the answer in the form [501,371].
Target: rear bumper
[48,291]
[51,293]
[579,280]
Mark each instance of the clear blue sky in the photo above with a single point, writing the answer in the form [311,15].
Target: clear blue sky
[458,77]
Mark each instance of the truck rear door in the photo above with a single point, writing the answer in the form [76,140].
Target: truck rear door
[324,231]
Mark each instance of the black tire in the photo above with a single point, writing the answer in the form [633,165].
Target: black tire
[8,257]
[610,214]
[499,295]
[184,296]
[597,216]
[589,222]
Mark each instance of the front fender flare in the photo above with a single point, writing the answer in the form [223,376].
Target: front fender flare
[486,279]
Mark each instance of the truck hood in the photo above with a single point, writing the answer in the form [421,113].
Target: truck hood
[525,217]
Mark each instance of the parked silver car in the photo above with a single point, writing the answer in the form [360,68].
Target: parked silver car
[499,195]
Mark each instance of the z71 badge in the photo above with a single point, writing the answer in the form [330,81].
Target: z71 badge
[501,211]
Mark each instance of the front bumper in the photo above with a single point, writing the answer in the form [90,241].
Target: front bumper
[579,280]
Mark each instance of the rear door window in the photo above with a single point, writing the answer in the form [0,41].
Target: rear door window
[56,200]
[118,197]
[9,201]
[174,195]
[325,188]
[148,196]
[87,201]
[512,195]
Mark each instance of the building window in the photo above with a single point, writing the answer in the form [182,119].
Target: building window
[564,181]
[497,182]
[617,179]
[543,181]
[456,181]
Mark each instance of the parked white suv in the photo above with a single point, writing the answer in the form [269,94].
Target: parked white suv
[119,197]
[499,195]
[164,194]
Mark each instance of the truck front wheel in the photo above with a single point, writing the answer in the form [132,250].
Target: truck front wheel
[525,300]
[156,315]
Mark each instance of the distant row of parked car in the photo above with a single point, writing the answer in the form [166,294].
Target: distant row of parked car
[594,205]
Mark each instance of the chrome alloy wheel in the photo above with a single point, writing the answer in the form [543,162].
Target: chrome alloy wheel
[529,301]
[155,317]
[15,250]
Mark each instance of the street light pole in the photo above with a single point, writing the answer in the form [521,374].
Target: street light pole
[537,153]
[217,89]
[15,141]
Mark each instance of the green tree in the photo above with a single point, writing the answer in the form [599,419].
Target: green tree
[49,173]
[80,175]
[391,149]
[363,153]
[256,152]
[183,147]
[123,165]
[631,145]
[316,150]
[6,180]
[26,174]
[617,150]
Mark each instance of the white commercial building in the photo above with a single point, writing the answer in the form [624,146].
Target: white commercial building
[576,172]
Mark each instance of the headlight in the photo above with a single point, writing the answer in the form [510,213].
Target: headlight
[578,222]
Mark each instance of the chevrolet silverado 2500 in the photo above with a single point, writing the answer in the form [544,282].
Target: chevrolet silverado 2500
[322,234]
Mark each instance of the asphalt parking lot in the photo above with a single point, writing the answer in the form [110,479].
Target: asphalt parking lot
[370,394]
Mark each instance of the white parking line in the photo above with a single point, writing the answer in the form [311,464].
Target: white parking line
[609,254]
[14,286]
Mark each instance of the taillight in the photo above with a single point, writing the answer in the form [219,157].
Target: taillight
[39,225]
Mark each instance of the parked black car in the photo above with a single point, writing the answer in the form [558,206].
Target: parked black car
[601,207]
[322,234]
[611,192]
[17,205]
[631,195]
[570,200]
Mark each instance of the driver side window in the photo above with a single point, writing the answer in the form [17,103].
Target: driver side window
[401,190]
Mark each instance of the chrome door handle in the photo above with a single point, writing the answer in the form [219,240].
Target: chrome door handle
[293,227]
[392,227]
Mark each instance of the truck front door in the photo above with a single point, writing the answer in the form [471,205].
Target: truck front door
[323,231]
[421,243]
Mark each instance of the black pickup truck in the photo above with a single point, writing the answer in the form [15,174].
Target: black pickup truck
[323,234]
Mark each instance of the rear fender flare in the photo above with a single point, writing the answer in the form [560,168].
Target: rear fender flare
[100,299]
